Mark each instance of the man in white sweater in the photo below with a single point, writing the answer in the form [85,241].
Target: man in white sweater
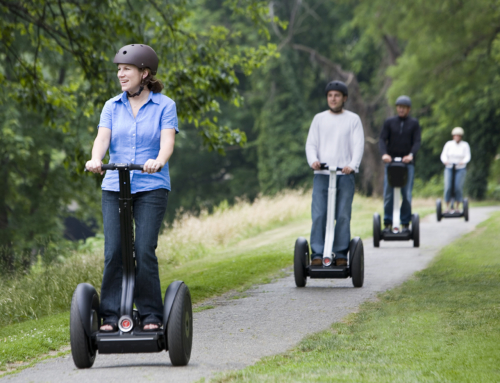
[336,138]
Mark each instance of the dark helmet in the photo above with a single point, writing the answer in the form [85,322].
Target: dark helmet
[140,55]
[336,85]
[403,100]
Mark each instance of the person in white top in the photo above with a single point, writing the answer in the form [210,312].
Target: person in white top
[336,138]
[456,153]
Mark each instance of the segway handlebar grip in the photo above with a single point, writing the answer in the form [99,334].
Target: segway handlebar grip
[136,166]
[108,167]
[324,166]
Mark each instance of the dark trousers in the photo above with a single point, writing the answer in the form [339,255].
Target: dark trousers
[148,212]
[345,195]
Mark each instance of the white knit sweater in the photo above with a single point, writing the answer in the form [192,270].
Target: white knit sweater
[456,153]
[336,139]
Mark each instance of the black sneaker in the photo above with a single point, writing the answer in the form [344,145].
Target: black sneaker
[388,227]
[405,228]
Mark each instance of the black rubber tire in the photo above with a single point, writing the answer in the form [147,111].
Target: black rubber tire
[439,210]
[357,261]
[301,261]
[466,209]
[180,328]
[376,230]
[81,346]
[415,230]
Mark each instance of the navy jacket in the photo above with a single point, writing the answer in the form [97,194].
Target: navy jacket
[400,137]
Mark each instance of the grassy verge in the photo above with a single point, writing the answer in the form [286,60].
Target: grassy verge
[441,326]
[231,250]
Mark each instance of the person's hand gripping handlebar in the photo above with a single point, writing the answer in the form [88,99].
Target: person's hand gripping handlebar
[323,166]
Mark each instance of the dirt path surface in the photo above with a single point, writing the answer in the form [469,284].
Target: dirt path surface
[270,319]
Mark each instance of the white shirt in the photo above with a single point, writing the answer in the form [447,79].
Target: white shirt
[336,139]
[456,153]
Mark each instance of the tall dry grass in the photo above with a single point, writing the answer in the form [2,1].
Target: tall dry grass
[48,290]
[193,236]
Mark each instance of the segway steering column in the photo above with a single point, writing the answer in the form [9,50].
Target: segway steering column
[330,215]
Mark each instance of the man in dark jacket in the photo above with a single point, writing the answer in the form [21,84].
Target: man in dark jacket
[400,137]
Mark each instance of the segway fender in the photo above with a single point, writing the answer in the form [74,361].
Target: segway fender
[170,295]
[88,300]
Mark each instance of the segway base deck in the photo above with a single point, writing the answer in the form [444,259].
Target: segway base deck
[328,272]
[396,236]
[452,215]
[130,343]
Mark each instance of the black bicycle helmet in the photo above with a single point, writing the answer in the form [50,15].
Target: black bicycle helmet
[403,100]
[140,55]
[336,85]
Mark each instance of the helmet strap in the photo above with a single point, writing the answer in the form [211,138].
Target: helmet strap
[141,88]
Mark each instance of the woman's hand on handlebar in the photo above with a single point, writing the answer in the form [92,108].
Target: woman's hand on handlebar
[386,158]
[94,166]
[152,166]
[316,165]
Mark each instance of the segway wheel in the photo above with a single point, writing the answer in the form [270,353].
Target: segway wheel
[415,230]
[180,328]
[376,230]
[357,262]
[439,211]
[82,348]
[466,209]
[301,261]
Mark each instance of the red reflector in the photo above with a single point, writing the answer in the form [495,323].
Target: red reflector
[126,323]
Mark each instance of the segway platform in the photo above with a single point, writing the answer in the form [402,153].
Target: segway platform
[456,214]
[321,271]
[133,342]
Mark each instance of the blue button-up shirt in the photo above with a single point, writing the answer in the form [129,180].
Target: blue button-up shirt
[136,140]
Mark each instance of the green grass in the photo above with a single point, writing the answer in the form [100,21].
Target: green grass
[23,342]
[443,325]
[217,270]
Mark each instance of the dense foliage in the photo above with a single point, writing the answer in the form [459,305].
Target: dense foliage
[56,72]
[248,77]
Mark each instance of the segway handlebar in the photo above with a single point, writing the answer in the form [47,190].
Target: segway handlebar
[121,166]
[324,166]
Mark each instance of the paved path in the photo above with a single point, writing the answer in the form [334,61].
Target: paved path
[270,320]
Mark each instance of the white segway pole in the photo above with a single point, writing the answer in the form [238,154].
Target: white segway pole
[396,210]
[396,207]
[330,216]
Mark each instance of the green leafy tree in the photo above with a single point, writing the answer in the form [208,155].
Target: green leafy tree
[56,72]
[449,65]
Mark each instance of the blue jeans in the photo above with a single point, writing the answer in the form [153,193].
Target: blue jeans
[459,184]
[148,211]
[345,194]
[405,213]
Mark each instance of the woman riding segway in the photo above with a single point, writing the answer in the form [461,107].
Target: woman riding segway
[138,126]
[455,157]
